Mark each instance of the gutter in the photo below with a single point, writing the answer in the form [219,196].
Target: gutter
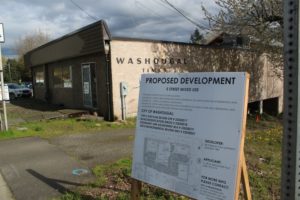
[107,50]
[110,113]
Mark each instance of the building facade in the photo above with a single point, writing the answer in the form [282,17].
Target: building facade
[87,68]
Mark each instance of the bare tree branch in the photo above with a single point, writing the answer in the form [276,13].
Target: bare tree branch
[29,42]
[260,20]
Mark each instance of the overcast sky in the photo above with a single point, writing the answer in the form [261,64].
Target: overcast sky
[152,19]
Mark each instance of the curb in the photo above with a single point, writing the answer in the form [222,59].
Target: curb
[5,192]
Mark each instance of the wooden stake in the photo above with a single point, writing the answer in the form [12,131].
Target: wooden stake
[136,188]
[243,176]
[243,136]
[245,180]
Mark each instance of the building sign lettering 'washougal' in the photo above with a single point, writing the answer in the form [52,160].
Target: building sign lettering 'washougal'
[154,61]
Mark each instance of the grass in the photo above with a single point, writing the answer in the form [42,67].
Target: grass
[116,171]
[263,155]
[57,127]
[113,182]
[262,150]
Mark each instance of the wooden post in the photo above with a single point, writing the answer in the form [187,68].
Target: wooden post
[136,188]
[245,180]
[243,136]
[243,167]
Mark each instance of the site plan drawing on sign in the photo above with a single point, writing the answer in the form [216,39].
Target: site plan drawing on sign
[166,157]
[188,134]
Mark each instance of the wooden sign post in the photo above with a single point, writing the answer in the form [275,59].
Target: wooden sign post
[190,135]
[136,188]
[245,181]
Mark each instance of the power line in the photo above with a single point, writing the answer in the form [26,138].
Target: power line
[146,8]
[183,15]
[164,5]
[79,7]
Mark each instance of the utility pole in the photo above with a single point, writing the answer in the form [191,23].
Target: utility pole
[290,173]
[4,124]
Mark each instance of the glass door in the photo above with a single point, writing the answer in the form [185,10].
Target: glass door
[89,83]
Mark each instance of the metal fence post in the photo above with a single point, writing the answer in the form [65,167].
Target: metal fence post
[290,181]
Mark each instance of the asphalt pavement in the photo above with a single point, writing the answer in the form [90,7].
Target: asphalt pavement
[97,148]
[39,169]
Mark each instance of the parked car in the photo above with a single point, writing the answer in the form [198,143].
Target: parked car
[16,91]
[27,84]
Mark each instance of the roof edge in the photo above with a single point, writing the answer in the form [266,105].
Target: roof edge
[100,22]
[179,43]
[105,26]
[151,40]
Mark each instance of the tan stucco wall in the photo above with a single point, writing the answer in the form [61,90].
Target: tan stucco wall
[192,58]
[128,73]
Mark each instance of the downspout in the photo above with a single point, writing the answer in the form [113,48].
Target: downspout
[107,50]
[33,81]
[46,84]
[108,81]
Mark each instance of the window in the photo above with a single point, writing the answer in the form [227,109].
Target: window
[62,77]
[39,77]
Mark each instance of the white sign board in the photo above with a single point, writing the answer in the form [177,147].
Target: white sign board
[189,133]
[6,93]
[1,33]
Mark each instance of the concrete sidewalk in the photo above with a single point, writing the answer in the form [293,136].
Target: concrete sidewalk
[35,169]
[5,192]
